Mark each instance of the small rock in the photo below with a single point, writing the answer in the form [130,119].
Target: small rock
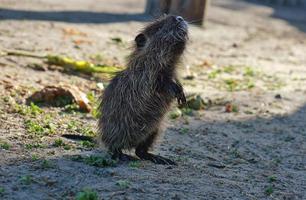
[100,86]
[235,45]
[278,96]
[188,74]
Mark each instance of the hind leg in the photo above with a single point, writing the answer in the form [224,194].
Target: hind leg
[142,151]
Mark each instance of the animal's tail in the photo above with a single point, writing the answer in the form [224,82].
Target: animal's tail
[78,137]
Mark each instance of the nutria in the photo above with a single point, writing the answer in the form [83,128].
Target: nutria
[135,102]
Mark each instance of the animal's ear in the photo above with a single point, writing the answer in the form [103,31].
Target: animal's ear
[140,40]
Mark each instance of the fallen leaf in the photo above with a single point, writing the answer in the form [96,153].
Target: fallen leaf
[60,96]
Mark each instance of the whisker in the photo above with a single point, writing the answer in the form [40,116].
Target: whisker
[194,21]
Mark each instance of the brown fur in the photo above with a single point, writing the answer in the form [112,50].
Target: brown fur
[137,99]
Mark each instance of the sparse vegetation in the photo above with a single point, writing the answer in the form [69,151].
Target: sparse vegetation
[39,129]
[5,145]
[272,178]
[87,144]
[269,190]
[123,184]
[87,194]
[184,130]
[47,164]
[135,164]
[26,180]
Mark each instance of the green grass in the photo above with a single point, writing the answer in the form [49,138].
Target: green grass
[184,130]
[123,184]
[135,164]
[35,157]
[248,71]
[2,190]
[87,194]
[39,129]
[47,164]
[239,77]
[117,40]
[272,178]
[214,73]
[269,190]
[187,111]
[58,142]
[87,144]
[5,145]
[26,180]
[34,145]
[175,113]
[32,110]
[229,69]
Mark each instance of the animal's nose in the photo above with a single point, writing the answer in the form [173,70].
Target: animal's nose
[179,18]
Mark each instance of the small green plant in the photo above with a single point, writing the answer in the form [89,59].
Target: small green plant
[34,157]
[99,161]
[231,84]
[26,180]
[229,69]
[214,73]
[135,164]
[87,194]
[117,40]
[47,164]
[269,190]
[35,110]
[272,178]
[58,142]
[175,113]
[67,147]
[39,129]
[123,184]
[72,125]
[87,131]
[34,127]
[5,145]
[187,111]
[248,71]
[72,108]
[34,145]
[235,108]
[2,190]
[32,110]
[87,144]
[184,130]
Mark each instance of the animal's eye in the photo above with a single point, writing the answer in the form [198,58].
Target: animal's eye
[140,40]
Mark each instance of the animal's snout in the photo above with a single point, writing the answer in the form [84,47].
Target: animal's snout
[179,19]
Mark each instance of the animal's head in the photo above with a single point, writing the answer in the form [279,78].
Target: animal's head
[169,33]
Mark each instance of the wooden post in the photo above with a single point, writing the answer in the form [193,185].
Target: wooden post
[192,10]
[157,7]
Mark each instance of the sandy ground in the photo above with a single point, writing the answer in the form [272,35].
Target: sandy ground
[249,55]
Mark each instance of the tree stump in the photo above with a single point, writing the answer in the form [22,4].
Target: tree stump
[192,10]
